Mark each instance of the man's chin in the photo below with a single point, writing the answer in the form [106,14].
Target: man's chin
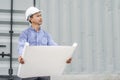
[40,23]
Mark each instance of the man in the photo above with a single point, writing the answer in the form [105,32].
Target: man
[35,36]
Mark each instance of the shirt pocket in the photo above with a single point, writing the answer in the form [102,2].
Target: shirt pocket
[44,41]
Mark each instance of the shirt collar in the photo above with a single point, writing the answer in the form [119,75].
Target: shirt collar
[34,29]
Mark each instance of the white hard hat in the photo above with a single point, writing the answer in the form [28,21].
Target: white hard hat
[30,11]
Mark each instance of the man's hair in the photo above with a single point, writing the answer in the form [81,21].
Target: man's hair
[30,17]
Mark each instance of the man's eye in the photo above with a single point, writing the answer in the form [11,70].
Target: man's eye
[38,16]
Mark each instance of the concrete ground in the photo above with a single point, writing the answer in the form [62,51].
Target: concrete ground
[78,77]
[87,77]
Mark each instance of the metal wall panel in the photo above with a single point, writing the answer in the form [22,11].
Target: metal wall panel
[93,24]
[19,24]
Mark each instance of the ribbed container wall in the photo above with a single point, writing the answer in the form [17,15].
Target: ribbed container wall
[93,24]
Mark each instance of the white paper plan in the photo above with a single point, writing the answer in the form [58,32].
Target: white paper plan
[44,60]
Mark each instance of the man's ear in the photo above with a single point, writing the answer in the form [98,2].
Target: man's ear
[29,20]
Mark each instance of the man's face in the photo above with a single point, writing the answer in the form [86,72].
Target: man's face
[36,19]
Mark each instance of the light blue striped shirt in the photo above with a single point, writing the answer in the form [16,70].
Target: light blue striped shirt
[40,38]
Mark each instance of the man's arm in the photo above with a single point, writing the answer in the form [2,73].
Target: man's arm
[21,44]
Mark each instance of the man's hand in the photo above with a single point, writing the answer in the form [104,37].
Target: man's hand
[21,60]
[69,60]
